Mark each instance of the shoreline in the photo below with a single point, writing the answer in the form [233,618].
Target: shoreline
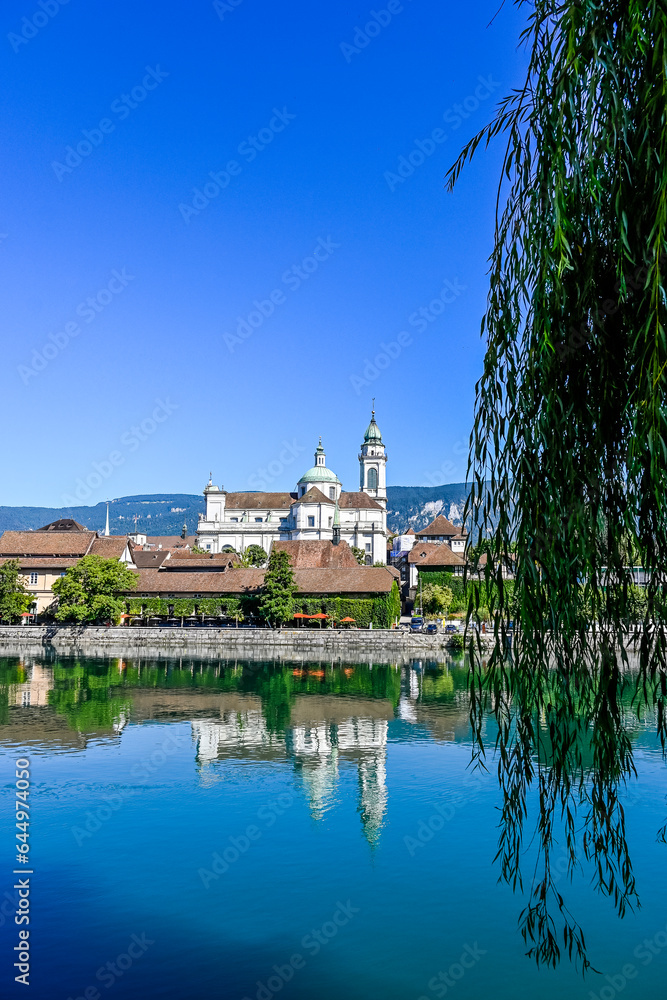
[274,643]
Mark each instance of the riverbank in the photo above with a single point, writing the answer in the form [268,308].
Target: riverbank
[78,640]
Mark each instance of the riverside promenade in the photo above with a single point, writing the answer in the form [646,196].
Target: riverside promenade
[274,644]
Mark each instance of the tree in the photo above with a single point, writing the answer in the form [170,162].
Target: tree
[359,555]
[14,599]
[92,590]
[277,599]
[569,445]
[254,555]
[436,599]
[199,551]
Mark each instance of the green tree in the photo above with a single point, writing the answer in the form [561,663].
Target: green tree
[276,603]
[569,444]
[436,599]
[199,551]
[92,590]
[14,599]
[254,555]
[359,555]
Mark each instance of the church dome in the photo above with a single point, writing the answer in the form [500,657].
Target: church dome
[319,474]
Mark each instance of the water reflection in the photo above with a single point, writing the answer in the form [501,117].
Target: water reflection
[330,721]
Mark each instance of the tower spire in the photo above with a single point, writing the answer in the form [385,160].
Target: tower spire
[106,529]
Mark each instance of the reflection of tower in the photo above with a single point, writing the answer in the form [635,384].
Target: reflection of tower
[35,691]
[316,750]
[239,735]
[370,737]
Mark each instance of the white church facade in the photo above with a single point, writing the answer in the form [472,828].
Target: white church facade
[319,509]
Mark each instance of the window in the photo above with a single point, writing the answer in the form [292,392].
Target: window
[372,479]
[208,546]
[311,522]
[171,595]
[259,519]
[34,578]
[330,521]
[332,492]
[144,595]
[368,546]
[235,519]
[196,595]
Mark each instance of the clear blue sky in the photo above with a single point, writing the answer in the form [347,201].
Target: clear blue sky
[304,120]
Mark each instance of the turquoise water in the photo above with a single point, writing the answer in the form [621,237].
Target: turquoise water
[263,830]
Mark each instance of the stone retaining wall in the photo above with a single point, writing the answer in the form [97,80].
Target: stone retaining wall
[68,640]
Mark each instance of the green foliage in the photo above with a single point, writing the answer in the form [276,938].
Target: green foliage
[569,443]
[199,551]
[14,599]
[276,603]
[436,600]
[91,591]
[254,555]
[457,642]
[359,555]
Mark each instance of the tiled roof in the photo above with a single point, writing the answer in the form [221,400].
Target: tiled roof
[51,564]
[317,554]
[258,501]
[360,580]
[314,496]
[189,562]
[171,541]
[149,560]
[359,500]
[429,554]
[46,543]
[236,581]
[441,526]
[64,524]
[109,546]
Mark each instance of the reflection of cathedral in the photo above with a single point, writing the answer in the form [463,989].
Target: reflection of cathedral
[317,749]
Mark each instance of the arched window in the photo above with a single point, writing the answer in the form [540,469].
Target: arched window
[372,479]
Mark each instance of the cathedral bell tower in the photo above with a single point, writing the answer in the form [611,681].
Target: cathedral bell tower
[373,463]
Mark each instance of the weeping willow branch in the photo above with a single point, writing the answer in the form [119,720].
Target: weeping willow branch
[568,460]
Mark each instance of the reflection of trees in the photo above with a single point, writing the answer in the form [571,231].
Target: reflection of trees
[565,734]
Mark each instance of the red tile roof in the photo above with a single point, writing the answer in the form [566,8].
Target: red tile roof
[360,580]
[441,526]
[110,546]
[258,501]
[358,500]
[317,554]
[46,543]
[430,554]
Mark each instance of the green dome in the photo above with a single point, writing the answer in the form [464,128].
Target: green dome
[372,435]
[319,474]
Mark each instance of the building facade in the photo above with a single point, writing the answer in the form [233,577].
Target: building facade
[318,509]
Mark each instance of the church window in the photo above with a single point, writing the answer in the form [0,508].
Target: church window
[258,518]
[332,492]
[311,522]
[330,521]
[235,519]
[372,479]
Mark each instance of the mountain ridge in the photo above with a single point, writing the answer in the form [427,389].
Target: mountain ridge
[164,513]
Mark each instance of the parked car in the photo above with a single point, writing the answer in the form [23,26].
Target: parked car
[451,628]
[417,625]
[431,628]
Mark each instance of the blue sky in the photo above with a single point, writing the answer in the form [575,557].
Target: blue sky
[224,229]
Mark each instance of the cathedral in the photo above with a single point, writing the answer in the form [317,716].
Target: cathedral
[319,509]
